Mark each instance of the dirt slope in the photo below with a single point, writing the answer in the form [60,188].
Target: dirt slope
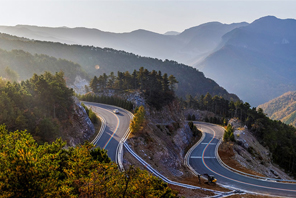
[248,155]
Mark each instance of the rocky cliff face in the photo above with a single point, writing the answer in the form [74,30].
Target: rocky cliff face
[163,140]
[79,85]
[80,127]
[252,155]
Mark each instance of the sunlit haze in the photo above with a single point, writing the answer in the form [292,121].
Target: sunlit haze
[126,16]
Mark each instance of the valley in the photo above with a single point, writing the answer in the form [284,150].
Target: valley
[203,111]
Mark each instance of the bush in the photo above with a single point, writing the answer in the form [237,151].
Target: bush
[189,117]
[93,117]
[194,130]
[228,134]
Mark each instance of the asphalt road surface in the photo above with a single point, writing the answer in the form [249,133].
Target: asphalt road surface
[116,126]
[203,161]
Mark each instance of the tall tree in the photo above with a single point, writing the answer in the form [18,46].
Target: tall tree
[165,83]
[94,84]
[172,82]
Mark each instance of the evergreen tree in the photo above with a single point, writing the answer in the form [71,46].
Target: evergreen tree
[172,82]
[94,84]
[165,83]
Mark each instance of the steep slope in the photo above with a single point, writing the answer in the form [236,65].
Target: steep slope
[256,61]
[186,47]
[248,155]
[282,108]
[46,108]
[26,64]
[201,40]
[96,61]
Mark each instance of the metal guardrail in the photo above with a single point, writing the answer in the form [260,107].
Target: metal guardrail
[119,150]
[156,173]
[246,174]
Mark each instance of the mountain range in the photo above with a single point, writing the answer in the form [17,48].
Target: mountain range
[282,108]
[186,47]
[96,61]
[257,61]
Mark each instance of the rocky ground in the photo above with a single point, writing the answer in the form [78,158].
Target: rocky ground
[163,140]
[80,128]
[248,155]
[199,115]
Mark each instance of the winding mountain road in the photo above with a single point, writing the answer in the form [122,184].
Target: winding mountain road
[116,127]
[203,160]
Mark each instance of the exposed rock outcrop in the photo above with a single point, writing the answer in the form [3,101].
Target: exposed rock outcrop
[252,155]
[163,140]
[80,127]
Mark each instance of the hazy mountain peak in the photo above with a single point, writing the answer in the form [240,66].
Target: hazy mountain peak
[142,31]
[171,33]
[210,27]
[265,19]
[274,25]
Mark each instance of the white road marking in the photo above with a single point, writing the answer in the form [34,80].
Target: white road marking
[199,157]
[209,143]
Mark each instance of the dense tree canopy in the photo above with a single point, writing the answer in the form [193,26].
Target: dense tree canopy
[39,105]
[157,88]
[31,170]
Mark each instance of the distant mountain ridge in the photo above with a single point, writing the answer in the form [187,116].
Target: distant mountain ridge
[282,108]
[257,61]
[96,61]
[187,47]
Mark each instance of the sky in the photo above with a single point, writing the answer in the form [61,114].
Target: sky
[125,16]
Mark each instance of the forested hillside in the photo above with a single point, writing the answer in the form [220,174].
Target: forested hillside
[96,61]
[278,137]
[42,105]
[25,65]
[282,108]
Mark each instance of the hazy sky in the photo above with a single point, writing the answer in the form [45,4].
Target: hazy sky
[126,16]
